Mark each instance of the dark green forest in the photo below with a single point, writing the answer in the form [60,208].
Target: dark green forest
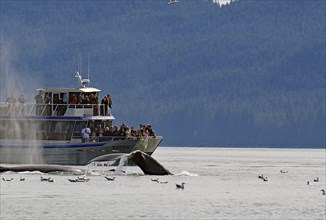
[249,73]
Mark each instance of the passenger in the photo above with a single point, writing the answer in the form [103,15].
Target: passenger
[86,100]
[122,131]
[109,100]
[128,133]
[85,132]
[21,101]
[47,101]
[74,100]
[150,130]
[108,131]
[11,101]
[133,132]
[95,106]
[91,98]
[39,100]
[80,99]
[115,130]
[61,107]
[143,133]
[104,106]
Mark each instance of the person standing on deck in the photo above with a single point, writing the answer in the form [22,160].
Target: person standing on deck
[85,132]
[21,101]
[39,100]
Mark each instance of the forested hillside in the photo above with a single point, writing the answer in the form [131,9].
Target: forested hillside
[250,73]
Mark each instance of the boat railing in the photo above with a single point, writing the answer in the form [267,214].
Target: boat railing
[113,138]
[32,109]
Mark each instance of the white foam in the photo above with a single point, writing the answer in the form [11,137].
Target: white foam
[186,173]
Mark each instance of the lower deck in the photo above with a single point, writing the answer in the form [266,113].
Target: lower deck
[63,153]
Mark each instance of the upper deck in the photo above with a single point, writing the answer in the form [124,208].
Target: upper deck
[57,110]
[82,101]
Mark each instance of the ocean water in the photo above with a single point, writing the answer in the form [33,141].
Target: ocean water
[221,183]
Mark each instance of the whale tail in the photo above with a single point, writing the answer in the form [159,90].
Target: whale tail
[145,162]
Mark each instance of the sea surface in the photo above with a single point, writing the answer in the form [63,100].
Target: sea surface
[221,183]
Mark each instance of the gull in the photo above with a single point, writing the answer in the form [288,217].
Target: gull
[180,186]
[172,1]
[49,179]
[44,179]
[110,178]
[261,176]
[316,180]
[324,192]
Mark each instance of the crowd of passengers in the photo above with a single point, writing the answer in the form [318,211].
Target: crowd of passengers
[125,131]
[76,99]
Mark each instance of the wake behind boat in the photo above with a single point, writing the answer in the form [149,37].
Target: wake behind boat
[50,130]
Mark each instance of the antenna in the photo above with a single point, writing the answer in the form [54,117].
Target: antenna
[83,82]
[88,66]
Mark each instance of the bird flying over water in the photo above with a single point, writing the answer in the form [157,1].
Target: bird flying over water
[172,2]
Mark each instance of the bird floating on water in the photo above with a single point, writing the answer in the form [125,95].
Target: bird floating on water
[110,178]
[22,179]
[7,179]
[324,192]
[261,176]
[49,179]
[182,186]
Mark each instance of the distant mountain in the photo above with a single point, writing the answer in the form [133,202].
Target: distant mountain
[250,73]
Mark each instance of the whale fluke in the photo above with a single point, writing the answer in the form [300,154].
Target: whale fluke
[146,163]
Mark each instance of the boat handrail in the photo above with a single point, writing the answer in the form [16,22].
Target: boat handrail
[114,138]
[58,109]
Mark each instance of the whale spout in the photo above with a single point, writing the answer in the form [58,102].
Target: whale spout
[41,168]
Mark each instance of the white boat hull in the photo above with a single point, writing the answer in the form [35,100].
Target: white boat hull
[64,153]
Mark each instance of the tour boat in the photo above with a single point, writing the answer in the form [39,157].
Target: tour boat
[49,130]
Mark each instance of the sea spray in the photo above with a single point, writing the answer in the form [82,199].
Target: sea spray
[122,162]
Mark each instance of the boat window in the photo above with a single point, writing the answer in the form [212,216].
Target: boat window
[22,129]
[36,130]
[78,127]
[59,130]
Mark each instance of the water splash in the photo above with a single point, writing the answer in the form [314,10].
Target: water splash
[122,162]
[186,173]
[14,83]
